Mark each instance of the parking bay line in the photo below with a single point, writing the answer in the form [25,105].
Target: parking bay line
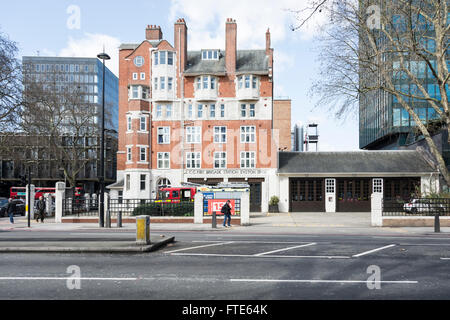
[324,281]
[253,256]
[199,247]
[372,251]
[285,249]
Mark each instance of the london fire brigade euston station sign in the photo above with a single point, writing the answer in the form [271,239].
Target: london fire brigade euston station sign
[239,172]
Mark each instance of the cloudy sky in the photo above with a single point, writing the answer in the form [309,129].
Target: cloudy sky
[81,28]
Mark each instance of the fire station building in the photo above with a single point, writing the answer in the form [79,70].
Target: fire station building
[205,116]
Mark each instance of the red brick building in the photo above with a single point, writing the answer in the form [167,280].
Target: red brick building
[197,116]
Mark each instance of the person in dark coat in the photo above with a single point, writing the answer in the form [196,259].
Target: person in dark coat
[226,210]
[40,209]
[10,210]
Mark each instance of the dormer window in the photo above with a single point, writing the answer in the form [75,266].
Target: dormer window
[210,55]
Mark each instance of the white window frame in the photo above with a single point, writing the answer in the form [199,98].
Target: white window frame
[193,135]
[143,121]
[248,134]
[219,135]
[142,75]
[200,110]
[129,154]
[193,158]
[163,160]
[135,76]
[212,111]
[221,158]
[169,111]
[144,181]
[158,111]
[129,124]
[165,132]
[145,149]
[245,159]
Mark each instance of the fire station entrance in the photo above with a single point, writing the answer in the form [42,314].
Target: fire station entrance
[353,195]
[307,195]
[255,192]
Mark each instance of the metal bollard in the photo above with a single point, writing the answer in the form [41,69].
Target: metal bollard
[437,223]
[143,230]
[214,220]
[108,219]
[119,219]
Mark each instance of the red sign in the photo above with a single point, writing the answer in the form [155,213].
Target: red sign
[216,206]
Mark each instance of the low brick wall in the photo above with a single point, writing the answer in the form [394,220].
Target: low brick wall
[130,220]
[414,221]
[234,221]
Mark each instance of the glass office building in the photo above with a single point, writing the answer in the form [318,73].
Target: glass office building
[384,123]
[84,73]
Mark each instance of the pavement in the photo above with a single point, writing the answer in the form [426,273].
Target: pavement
[274,223]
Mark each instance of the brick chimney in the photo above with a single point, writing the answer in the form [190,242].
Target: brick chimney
[230,46]
[180,38]
[268,42]
[269,53]
[153,33]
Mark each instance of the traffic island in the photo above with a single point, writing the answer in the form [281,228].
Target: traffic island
[84,247]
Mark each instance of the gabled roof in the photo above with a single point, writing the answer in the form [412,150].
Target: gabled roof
[407,162]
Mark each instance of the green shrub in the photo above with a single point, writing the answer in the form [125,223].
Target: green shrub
[274,201]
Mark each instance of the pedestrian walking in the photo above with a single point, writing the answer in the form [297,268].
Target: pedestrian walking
[226,210]
[10,210]
[41,209]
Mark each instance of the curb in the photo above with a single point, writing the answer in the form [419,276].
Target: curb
[138,249]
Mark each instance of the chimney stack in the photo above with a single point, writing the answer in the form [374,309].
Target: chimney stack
[180,38]
[231,46]
[268,42]
[153,33]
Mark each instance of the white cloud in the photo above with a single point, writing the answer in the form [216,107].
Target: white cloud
[90,45]
[206,21]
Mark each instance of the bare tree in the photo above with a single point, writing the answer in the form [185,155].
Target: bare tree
[378,49]
[62,113]
[10,84]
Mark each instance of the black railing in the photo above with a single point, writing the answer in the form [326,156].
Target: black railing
[80,207]
[139,207]
[416,207]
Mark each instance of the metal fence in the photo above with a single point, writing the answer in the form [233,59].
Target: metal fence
[80,207]
[157,208]
[416,207]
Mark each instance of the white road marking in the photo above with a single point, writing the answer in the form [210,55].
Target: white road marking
[372,251]
[253,256]
[322,281]
[69,278]
[257,242]
[445,258]
[198,247]
[286,249]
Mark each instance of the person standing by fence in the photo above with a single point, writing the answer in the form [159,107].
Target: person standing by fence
[10,210]
[226,210]
[41,209]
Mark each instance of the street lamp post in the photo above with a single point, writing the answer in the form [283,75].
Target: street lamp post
[101,175]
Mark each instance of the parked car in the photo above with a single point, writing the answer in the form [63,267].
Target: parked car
[417,206]
[19,208]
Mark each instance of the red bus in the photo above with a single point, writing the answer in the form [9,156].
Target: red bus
[21,192]
[180,194]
